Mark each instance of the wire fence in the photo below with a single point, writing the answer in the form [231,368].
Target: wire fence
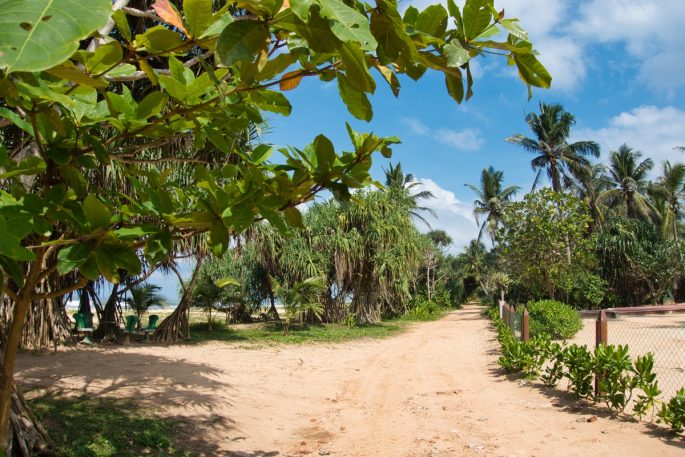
[643,331]
[656,329]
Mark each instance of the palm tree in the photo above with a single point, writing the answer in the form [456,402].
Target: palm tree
[491,201]
[395,179]
[671,187]
[628,177]
[302,297]
[589,185]
[553,153]
[474,259]
[143,297]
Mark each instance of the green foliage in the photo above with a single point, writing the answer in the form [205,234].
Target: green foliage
[636,262]
[544,241]
[553,319]
[422,309]
[579,370]
[143,297]
[645,380]
[584,290]
[106,427]
[673,412]
[613,367]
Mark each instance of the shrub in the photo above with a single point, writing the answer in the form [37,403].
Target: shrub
[554,319]
[423,309]
[673,412]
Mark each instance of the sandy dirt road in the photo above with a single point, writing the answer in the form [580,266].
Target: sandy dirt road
[434,390]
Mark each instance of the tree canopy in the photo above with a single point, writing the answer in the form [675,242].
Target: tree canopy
[87,90]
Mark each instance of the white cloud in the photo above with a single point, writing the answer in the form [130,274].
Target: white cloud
[652,130]
[650,31]
[454,216]
[464,140]
[415,126]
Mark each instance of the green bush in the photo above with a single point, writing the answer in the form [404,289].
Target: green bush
[673,412]
[553,319]
[423,309]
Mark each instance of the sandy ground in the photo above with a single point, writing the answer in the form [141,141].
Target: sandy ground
[432,391]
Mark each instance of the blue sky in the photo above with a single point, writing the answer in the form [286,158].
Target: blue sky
[617,65]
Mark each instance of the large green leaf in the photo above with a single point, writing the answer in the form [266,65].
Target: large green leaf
[349,25]
[357,102]
[477,16]
[97,214]
[38,34]
[198,15]
[432,20]
[240,41]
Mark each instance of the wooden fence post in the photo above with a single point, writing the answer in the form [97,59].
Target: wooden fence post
[525,325]
[601,337]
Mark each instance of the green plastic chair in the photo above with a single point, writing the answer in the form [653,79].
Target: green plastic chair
[151,323]
[82,327]
[151,326]
[131,322]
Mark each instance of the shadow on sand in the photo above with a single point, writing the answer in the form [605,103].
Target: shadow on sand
[126,383]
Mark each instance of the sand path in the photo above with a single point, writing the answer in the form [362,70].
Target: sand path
[432,391]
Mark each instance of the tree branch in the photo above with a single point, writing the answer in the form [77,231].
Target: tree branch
[58,293]
[10,293]
[139,13]
[138,75]
[103,32]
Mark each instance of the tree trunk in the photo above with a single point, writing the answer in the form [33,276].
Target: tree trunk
[272,309]
[28,437]
[109,325]
[177,326]
[10,345]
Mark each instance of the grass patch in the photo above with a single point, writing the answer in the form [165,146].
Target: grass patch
[107,427]
[272,332]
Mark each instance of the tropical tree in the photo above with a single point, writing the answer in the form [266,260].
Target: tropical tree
[475,262]
[637,263]
[397,180]
[629,182]
[142,298]
[116,81]
[544,242]
[299,299]
[589,184]
[553,153]
[492,199]
[670,186]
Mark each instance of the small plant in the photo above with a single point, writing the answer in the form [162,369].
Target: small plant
[350,320]
[555,371]
[553,318]
[673,412]
[647,382]
[614,369]
[423,309]
[579,370]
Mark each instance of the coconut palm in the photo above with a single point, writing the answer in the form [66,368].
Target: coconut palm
[143,297]
[589,185]
[628,178]
[395,179]
[553,153]
[671,187]
[491,200]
